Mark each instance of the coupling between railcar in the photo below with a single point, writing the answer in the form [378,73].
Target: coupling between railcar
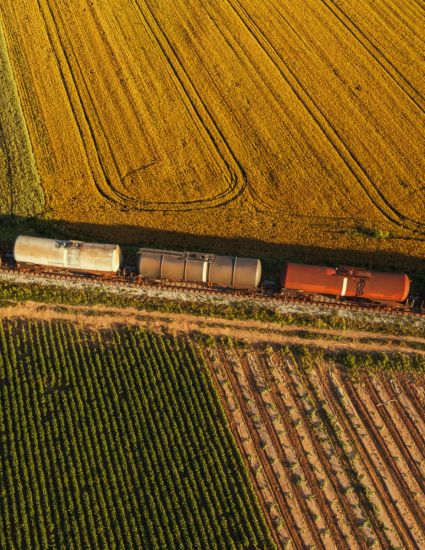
[198,268]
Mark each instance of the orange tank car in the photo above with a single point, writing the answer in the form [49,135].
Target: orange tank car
[346,281]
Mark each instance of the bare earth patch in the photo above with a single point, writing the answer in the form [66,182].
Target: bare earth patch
[337,463]
[251,331]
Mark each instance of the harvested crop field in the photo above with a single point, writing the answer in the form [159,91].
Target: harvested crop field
[296,122]
[337,462]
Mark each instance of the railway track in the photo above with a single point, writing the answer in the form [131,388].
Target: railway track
[272,294]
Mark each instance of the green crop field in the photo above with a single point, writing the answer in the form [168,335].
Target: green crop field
[116,439]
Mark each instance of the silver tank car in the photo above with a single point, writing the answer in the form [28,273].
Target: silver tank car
[225,271]
[72,255]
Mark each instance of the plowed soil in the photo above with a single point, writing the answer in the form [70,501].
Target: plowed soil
[339,464]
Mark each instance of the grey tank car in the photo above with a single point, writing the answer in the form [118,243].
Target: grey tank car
[70,255]
[194,267]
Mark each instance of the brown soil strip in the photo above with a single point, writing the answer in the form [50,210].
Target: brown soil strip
[283,504]
[267,422]
[330,517]
[344,460]
[401,444]
[397,517]
[236,435]
[328,466]
[100,317]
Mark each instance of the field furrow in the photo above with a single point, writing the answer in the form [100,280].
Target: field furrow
[303,426]
[303,449]
[331,482]
[389,446]
[382,492]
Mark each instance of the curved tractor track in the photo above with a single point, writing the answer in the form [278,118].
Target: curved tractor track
[109,181]
[325,126]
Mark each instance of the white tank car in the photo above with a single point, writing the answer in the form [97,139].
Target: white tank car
[225,271]
[71,255]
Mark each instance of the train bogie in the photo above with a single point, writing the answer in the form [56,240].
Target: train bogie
[346,282]
[71,255]
[223,271]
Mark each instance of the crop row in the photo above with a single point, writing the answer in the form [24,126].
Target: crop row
[337,462]
[116,439]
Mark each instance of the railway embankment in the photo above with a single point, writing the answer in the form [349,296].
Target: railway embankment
[16,288]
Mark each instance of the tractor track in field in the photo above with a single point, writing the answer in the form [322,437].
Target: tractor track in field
[193,101]
[398,518]
[329,515]
[375,195]
[376,53]
[231,41]
[82,122]
[237,177]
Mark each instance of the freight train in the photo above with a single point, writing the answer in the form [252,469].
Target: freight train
[221,272]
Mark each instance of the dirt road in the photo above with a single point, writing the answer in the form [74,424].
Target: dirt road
[100,317]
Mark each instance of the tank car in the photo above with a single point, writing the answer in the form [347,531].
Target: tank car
[223,271]
[344,281]
[72,255]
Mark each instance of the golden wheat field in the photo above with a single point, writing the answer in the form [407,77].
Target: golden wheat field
[297,122]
